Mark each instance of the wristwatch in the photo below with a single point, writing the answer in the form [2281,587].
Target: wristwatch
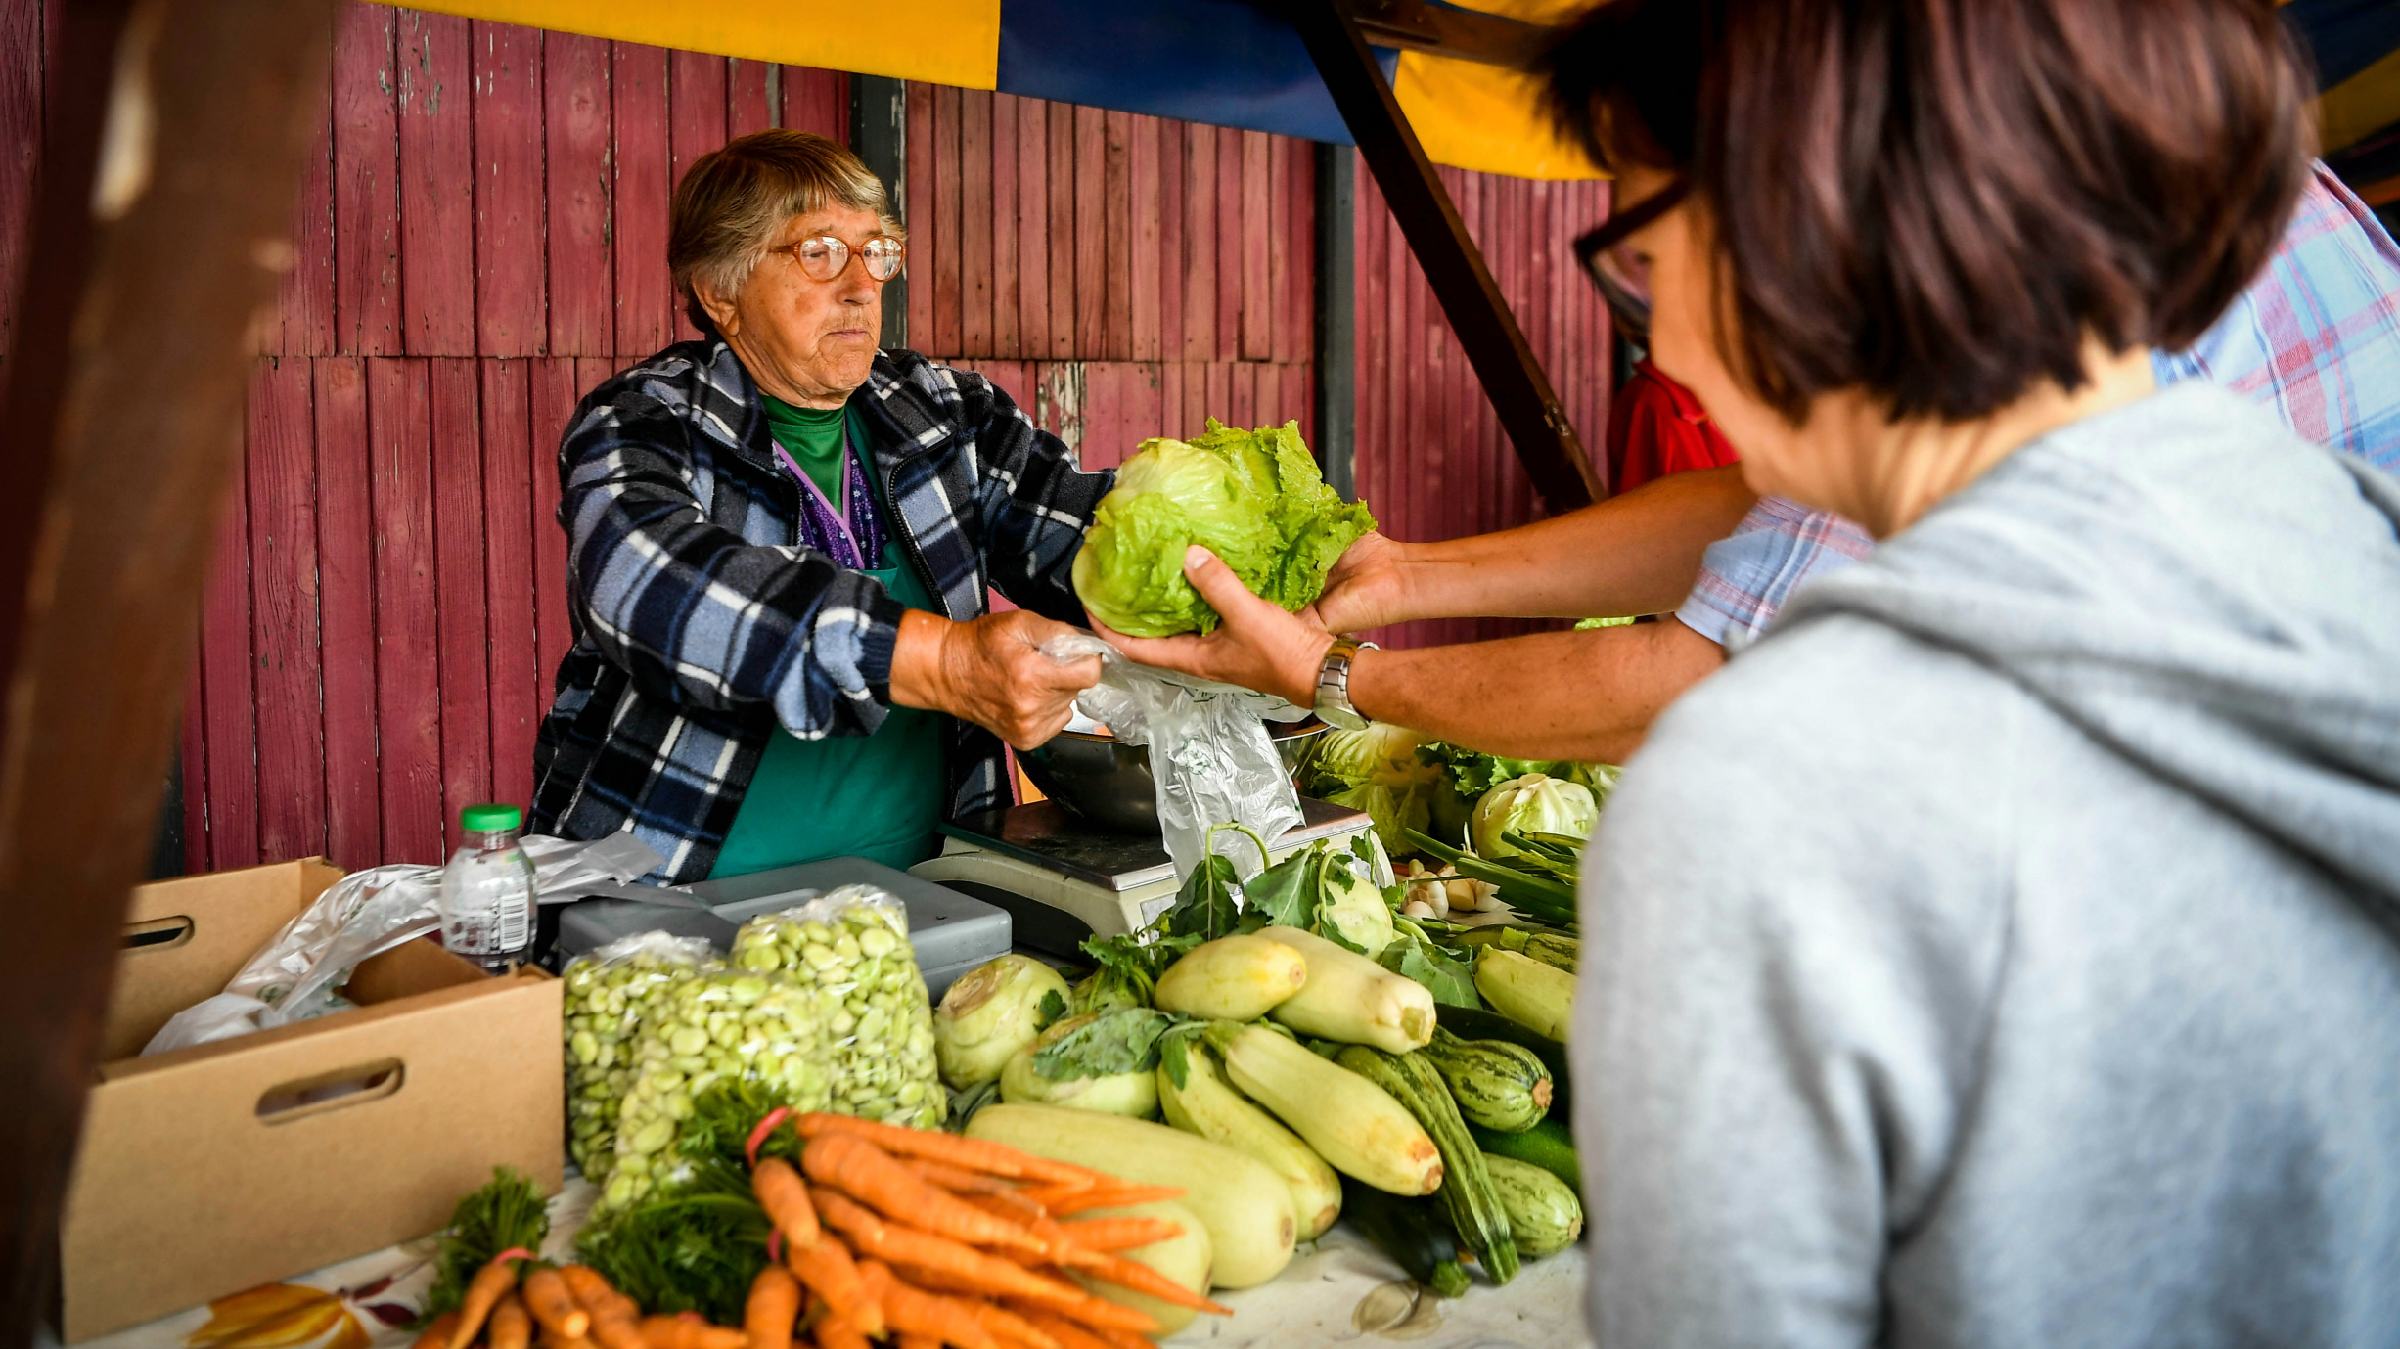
[1333,685]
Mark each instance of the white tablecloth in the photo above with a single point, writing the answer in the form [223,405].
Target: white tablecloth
[1340,1290]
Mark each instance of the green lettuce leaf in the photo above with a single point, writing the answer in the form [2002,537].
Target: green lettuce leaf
[1254,498]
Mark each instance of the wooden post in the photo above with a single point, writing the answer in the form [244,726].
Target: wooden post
[1512,377]
[1337,317]
[154,245]
[879,135]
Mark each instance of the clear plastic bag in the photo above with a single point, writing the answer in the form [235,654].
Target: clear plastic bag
[764,1029]
[1210,756]
[609,995]
[365,914]
[850,946]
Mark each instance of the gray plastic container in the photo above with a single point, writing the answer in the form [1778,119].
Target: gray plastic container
[950,932]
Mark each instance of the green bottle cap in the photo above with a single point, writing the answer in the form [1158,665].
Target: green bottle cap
[491,818]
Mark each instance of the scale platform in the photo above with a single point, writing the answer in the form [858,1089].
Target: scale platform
[1062,880]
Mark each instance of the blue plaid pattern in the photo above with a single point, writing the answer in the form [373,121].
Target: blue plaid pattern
[2316,336]
[700,621]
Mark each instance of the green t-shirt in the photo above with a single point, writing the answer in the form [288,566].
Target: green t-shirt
[877,796]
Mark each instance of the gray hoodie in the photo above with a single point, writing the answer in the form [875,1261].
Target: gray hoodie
[2006,949]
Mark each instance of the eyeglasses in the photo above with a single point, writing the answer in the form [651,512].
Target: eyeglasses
[824,257]
[1622,274]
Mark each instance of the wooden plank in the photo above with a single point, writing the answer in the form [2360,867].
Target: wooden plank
[1230,232]
[1217,381]
[366,185]
[917,215]
[975,223]
[575,128]
[1007,312]
[1143,204]
[1369,349]
[1199,243]
[346,544]
[817,100]
[231,703]
[461,651]
[1059,232]
[283,618]
[510,577]
[20,148]
[1274,301]
[556,387]
[1091,229]
[1296,296]
[942,253]
[695,126]
[307,301]
[1032,227]
[437,178]
[408,704]
[1168,265]
[192,751]
[1170,401]
[747,108]
[1116,323]
[638,114]
[1258,303]
[511,300]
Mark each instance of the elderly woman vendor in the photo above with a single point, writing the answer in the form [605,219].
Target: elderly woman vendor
[780,540]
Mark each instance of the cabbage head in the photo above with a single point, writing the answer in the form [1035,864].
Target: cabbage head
[1381,754]
[1532,804]
[1254,498]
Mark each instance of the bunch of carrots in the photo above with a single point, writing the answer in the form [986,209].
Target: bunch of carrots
[923,1238]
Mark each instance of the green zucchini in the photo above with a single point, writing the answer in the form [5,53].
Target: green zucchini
[1543,1214]
[1466,1195]
[1474,1023]
[1410,1231]
[1496,1084]
[1526,991]
[1547,1145]
[1555,949]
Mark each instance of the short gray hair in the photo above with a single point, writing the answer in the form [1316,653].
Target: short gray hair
[734,199]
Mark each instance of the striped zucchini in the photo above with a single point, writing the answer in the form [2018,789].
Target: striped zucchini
[1466,1196]
[1543,1213]
[1496,1084]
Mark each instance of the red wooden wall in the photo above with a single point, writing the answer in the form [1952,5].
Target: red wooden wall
[480,239]
[1431,457]
[1123,276]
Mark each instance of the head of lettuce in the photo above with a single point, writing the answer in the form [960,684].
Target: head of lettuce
[1253,498]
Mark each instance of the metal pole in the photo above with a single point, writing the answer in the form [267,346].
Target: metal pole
[1337,317]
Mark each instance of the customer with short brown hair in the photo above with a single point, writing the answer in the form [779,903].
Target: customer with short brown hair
[2005,950]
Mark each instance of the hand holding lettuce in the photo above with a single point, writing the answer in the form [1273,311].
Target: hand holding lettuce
[1253,498]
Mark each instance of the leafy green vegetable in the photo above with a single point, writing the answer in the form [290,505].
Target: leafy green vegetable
[1052,1008]
[696,1250]
[1110,1043]
[506,1212]
[1473,772]
[1254,498]
[1288,893]
[1532,804]
[1380,753]
[1590,624]
[1415,955]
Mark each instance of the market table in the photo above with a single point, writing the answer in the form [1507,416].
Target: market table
[1339,1290]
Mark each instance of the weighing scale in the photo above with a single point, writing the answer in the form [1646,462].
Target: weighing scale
[1062,880]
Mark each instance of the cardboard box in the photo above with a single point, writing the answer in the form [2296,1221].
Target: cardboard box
[219,1167]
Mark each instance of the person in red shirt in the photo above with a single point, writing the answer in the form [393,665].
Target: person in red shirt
[1656,427]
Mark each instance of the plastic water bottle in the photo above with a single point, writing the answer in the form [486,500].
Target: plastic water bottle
[487,891]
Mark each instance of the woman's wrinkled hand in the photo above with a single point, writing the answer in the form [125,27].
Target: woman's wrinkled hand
[1257,644]
[991,671]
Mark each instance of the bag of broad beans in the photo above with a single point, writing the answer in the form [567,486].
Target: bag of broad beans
[608,993]
[850,946]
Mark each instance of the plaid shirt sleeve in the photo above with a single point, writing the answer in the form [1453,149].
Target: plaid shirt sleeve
[2317,335]
[697,615]
[1749,576]
[1036,504]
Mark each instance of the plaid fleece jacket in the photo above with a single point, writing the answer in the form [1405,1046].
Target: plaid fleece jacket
[700,622]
